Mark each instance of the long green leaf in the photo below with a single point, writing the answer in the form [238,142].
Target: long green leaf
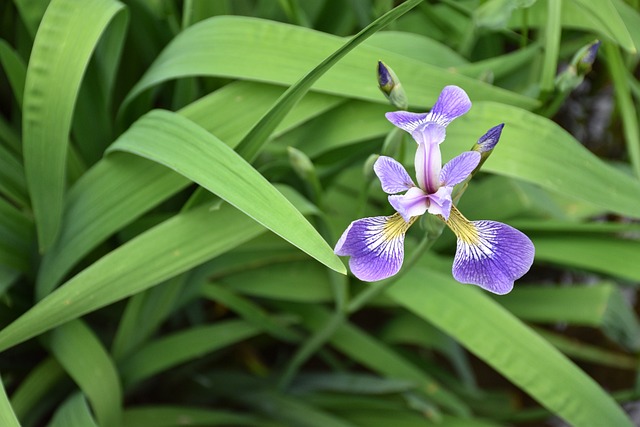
[74,413]
[251,49]
[69,29]
[180,347]
[179,144]
[84,358]
[7,416]
[164,251]
[15,69]
[510,347]
[174,416]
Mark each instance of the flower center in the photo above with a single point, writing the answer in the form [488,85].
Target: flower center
[396,226]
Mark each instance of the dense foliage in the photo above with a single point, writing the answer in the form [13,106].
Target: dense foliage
[174,176]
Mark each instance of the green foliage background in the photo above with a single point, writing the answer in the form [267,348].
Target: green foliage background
[163,262]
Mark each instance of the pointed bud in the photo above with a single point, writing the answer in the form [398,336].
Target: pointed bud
[301,163]
[488,141]
[391,87]
[569,78]
[586,57]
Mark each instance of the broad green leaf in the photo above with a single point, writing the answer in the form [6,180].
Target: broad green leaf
[7,416]
[510,347]
[94,210]
[175,246]
[494,14]
[612,256]
[175,416]
[599,305]
[68,30]
[255,140]
[248,48]
[181,145]
[74,412]
[83,357]
[182,346]
[12,183]
[416,46]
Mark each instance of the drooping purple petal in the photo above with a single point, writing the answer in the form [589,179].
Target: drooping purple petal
[459,168]
[405,120]
[413,203]
[452,102]
[393,176]
[428,163]
[440,202]
[375,245]
[429,133]
[495,258]
[489,139]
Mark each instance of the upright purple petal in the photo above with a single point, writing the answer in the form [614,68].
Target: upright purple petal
[413,203]
[393,176]
[405,120]
[452,102]
[493,257]
[375,245]
[459,168]
[428,163]
[429,133]
[440,202]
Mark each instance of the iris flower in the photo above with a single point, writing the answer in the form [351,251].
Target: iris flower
[489,254]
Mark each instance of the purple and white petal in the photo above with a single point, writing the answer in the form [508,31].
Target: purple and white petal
[375,245]
[459,168]
[496,257]
[452,102]
[393,176]
[429,133]
[490,139]
[405,120]
[440,202]
[413,203]
[428,163]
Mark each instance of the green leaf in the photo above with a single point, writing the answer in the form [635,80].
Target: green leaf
[603,254]
[7,416]
[15,69]
[68,30]
[84,358]
[179,144]
[36,386]
[248,48]
[16,237]
[179,347]
[74,412]
[510,347]
[178,244]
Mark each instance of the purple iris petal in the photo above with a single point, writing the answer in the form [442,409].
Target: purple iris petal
[375,245]
[413,203]
[405,120]
[459,168]
[490,139]
[428,163]
[393,176]
[493,259]
[440,202]
[452,102]
[429,133]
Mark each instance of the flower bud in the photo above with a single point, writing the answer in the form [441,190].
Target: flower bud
[391,87]
[301,163]
[569,78]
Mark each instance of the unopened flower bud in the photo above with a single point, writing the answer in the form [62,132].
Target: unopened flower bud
[391,87]
[301,163]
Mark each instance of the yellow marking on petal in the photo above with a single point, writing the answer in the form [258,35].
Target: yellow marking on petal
[462,227]
[396,226]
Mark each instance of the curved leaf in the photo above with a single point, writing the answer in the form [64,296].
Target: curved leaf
[510,347]
[69,29]
[181,145]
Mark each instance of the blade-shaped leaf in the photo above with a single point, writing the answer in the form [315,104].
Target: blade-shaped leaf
[181,145]
[513,349]
[69,29]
